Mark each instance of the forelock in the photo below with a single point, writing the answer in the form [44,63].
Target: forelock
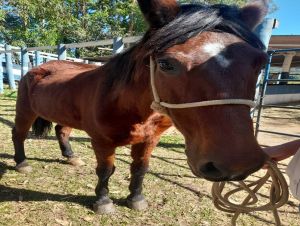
[196,18]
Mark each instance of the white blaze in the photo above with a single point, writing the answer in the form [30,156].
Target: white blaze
[214,50]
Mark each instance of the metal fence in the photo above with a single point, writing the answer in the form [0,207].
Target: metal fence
[275,82]
[13,69]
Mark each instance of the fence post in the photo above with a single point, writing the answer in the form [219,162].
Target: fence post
[1,74]
[118,45]
[24,61]
[286,66]
[264,30]
[37,58]
[264,33]
[9,68]
[62,52]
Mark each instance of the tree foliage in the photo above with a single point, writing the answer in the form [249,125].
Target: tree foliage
[49,22]
[44,22]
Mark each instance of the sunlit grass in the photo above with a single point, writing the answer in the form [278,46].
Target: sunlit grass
[58,194]
[8,93]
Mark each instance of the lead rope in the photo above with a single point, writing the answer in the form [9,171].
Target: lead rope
[279,194]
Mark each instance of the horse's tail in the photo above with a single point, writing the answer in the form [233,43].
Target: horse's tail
[41,127]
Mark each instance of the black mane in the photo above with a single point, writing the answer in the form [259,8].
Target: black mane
[196,18]
[192,20]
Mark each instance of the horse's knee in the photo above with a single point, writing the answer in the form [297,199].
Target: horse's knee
[104,172]
[18,135]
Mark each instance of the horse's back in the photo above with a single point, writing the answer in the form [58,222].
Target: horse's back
[54,89]
[61,70]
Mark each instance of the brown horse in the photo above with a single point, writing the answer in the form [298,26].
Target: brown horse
[199,53]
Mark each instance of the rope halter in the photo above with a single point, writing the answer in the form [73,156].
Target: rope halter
[161,106]
[278,191]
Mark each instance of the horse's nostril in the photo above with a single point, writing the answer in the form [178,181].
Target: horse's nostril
[210,170]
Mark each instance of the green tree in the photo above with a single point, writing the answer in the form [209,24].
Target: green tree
[50,22]
[236,2]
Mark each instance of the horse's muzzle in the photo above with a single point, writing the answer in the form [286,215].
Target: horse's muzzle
[212,172]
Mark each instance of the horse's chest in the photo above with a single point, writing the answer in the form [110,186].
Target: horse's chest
[130,134]
[147,130]
[139,133]
[131,128]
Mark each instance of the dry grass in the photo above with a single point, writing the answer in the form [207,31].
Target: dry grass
[58,194]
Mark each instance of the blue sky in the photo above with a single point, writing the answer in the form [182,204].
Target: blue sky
[288,14]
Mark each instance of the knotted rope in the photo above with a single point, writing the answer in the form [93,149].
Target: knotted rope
[278,195]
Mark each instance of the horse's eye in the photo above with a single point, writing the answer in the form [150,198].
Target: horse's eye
[165,65]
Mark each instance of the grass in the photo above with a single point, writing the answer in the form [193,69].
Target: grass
[11,94]
[58,194]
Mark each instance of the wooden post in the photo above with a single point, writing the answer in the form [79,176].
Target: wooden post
[62,52]
[37,58]
[1,73]
[118,45]
[24,61]
[9,68]
[286,66]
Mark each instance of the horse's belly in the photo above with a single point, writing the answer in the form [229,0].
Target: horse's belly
[56,103]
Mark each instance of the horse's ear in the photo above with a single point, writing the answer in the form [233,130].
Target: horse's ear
[157,12]
[254,12]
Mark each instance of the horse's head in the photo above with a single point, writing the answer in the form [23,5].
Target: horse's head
[206,53]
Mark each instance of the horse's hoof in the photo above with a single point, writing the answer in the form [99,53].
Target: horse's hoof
[23,167]
[75,161]
[104,208]
[139,205]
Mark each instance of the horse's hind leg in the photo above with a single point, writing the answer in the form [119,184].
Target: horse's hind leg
[23,121]
[63,134]
[105,158]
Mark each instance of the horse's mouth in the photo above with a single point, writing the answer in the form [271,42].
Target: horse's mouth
[219,179]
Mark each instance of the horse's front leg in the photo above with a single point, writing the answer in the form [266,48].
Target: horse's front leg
[141,154]
[105,168]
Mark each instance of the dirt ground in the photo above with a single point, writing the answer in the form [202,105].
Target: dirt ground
[281,121]
[56,193]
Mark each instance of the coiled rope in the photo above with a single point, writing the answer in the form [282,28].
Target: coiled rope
[278,195]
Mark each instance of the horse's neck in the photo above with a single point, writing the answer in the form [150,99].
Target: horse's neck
[135,94]
[138,94]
